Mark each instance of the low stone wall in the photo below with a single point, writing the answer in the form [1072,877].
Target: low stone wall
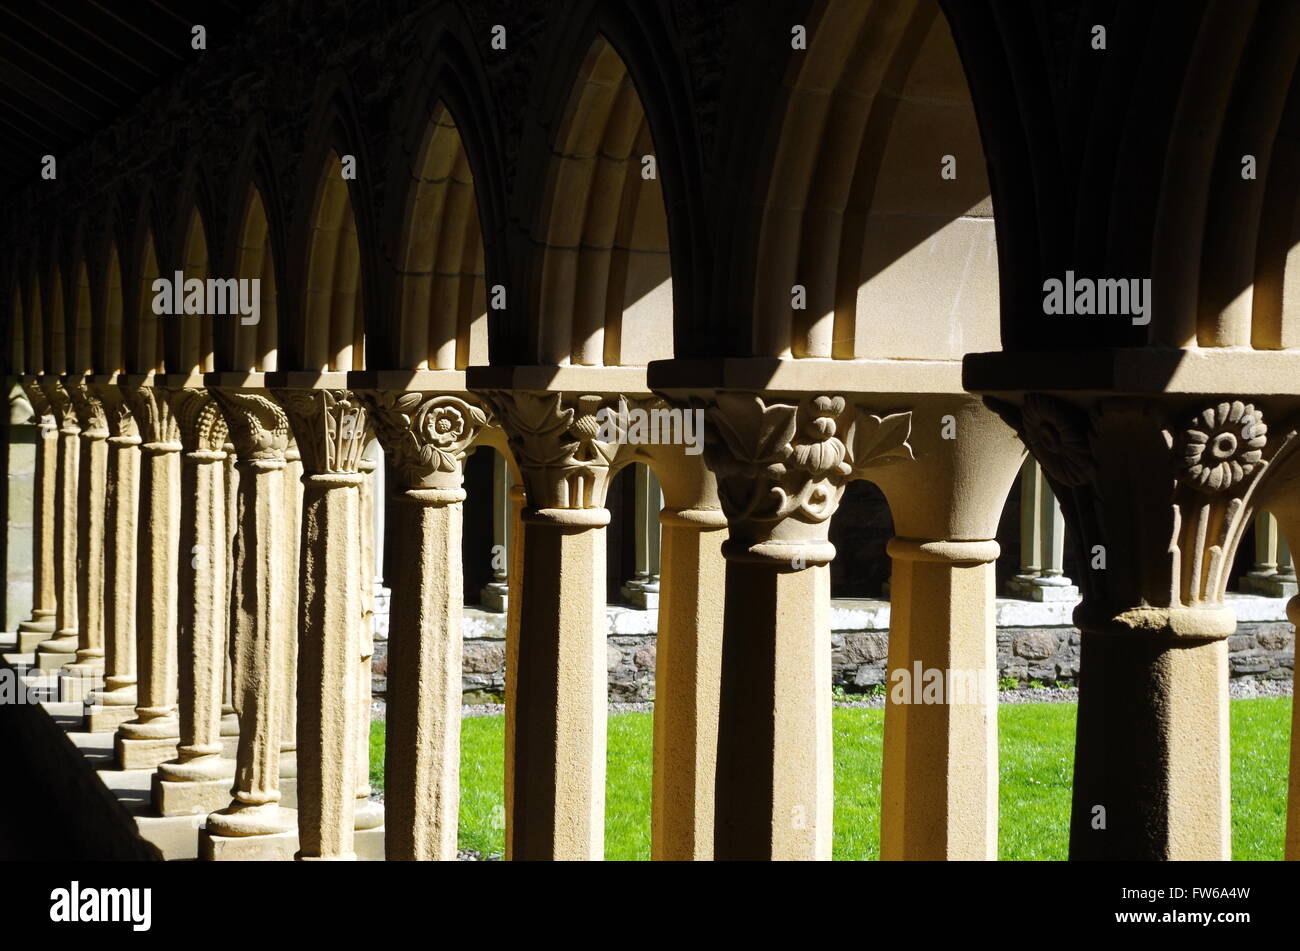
[1047,652]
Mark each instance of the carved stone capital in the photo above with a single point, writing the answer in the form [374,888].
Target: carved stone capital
[202,427]
[329,427]
[1157,495]
[258,425]
[426,436]
[782,467]
[40,404]
[556,442]
[89,410]
[61,405]
[152,409]
[122,428]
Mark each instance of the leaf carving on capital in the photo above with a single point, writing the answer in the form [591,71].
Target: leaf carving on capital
[555,439]
[89,410]
[152,409]
[426,437]
[257,424]
[117,411]
[36,396]
[202,427]
[61,406]
[784,460]
[329,426]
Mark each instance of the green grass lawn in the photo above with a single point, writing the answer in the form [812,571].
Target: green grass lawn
[1036,750]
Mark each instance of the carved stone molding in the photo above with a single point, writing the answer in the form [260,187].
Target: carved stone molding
[40,404]
[61,406]
[1156,497]
[89,410]
[329,427]
[122,426]
[426,436]
[554,438]
[258,426]
[782,467]
[152,409]
[198,417]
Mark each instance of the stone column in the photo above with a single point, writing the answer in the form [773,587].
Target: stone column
[41,625]
[83,674]
[115,704]
[939,785]
[1273,574]
[289,663]
[330,429]
[151,737]
[230,479]
[643,589]
[367,813]
[427,437]
[1042,541]
[495,592]
[254,825]
[21,434]
[688,670]
[1160,493]
[197,781]
[514,610]
[62,647]
[556,808]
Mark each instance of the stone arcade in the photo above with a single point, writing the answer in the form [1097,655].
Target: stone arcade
[203,549]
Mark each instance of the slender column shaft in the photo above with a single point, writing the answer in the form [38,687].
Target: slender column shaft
[514,611]
[116,702]
[1032,488]
[61,648]
[368,814]
[328,648]
[688,669]
[261,626]
[198,779]
[41,624]
[940,784]
[422,760]
[289,661]
[230,481]
[151,737]
[558,806]
[92,486]
[774,794]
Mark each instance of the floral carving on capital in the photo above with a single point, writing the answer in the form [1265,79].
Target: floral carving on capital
[258,426]
[426,436]
[330,428]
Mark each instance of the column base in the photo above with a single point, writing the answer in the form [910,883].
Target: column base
[644,595]
[367,814]
[106,718]
[244,821]
[369,844]
[190,797]
[77,681]
[1271,585]
[1043,589]
[229,725]
[272,847]
[29,638]
[144,752]
[52,658]
[495,597]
